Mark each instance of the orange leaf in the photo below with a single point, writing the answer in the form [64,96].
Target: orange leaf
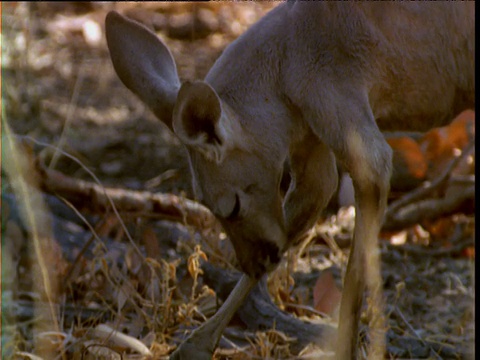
[439,144]
[408,157]
[469,252]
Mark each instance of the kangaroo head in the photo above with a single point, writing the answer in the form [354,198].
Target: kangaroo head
[235,174]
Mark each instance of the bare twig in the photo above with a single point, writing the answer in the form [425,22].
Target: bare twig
[72,106]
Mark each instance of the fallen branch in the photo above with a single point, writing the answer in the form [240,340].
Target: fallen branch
[427,209]
[414,207]
[96,198]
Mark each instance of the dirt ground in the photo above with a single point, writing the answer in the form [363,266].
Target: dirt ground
[59,88]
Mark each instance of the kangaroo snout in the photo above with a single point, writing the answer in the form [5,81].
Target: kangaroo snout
[259,245]
[257,256]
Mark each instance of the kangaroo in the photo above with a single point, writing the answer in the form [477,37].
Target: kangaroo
[314,83]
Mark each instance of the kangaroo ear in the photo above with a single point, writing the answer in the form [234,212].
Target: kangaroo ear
[144,64]
[198,121]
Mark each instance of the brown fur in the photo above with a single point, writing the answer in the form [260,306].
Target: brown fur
[311,81]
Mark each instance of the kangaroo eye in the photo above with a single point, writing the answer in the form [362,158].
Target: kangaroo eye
[236,209]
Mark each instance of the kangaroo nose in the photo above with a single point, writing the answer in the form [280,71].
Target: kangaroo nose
[259,243]
[259,256]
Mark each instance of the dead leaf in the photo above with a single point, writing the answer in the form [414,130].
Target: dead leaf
[469,252]
[326,295]
[441,144]
[408,158]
